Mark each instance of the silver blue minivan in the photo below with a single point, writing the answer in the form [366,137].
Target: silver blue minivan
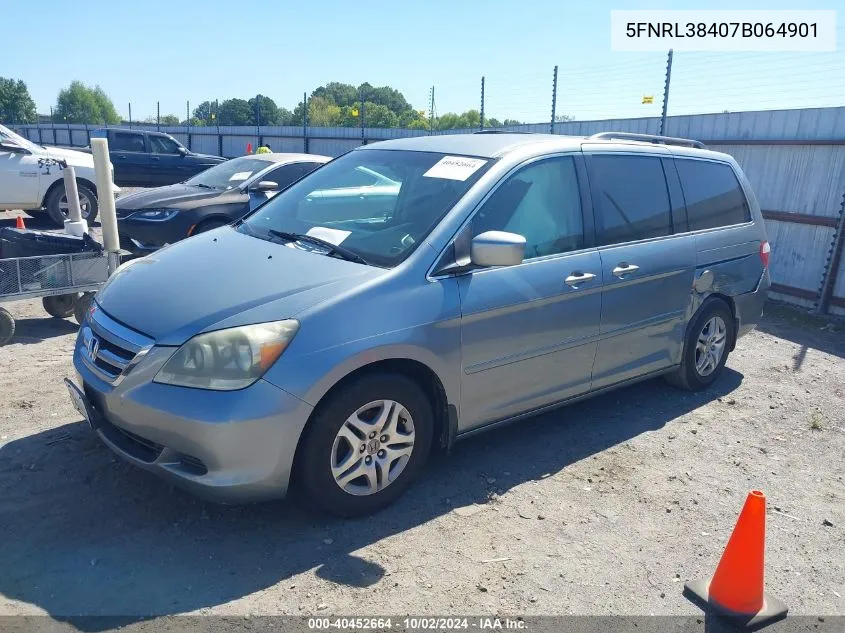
[414,292]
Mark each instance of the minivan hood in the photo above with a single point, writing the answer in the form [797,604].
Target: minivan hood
[179,195]
[223,278]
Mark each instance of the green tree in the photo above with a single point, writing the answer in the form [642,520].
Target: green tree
[337,93]
[194,122]
[79,103]
[16,104]
[235,112]
[203,112]
[378,115]
[508,122]
[389,97]
[267,110]
[418,124]
[286,117]
[491,122]
[323,113]
[167,119]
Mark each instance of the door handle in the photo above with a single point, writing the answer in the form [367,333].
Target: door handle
[155,158]
[577,278]
[625,269]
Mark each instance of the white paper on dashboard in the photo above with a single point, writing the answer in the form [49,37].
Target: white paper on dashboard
[241,175]
[334,236]
[455,167]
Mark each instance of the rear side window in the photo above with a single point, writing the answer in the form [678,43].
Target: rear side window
[632,200]
[712,193]
[127,142]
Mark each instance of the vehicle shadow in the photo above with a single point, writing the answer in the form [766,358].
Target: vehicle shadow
[809,331]
[86,535]
[34,329]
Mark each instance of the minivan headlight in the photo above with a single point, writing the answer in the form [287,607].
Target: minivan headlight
[229,359]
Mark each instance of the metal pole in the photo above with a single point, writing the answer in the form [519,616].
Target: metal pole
[130,115]
[666,93]
[482,103]
[217,118]
[72,193]
[831,269]
[188,121]
[158,116]
[361,114]
[258,120]
[105,191]
[431,113]
[554,101]
[305,120]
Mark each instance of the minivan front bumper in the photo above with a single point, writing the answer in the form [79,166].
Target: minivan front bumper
[228,447]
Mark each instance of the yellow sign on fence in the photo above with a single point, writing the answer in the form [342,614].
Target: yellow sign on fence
[648,99]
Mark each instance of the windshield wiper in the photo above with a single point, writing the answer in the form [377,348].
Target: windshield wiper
[334,249]
[203,185]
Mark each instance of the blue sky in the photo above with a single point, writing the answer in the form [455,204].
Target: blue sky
[183,50]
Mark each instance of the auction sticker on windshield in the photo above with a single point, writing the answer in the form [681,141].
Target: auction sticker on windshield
[241,175]
[333,236]
[455,167]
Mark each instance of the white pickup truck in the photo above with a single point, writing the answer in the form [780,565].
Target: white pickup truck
[31,178]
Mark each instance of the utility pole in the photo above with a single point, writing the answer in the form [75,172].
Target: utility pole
[666,93]
[188,113]
[130,114]
[158,115]
[258,120]
[554,101]
[482,102]
[431,113]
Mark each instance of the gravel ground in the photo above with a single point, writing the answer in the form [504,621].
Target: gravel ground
[604,507]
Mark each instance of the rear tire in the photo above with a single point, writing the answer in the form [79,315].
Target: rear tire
[706,348]
[56,199]
[7,327]
[327,455]
[60,306]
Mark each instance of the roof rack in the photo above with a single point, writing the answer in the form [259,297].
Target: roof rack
[647,138]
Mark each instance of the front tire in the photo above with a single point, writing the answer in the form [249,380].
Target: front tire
[82,305]
[706,347]
[57,207]
[366,445]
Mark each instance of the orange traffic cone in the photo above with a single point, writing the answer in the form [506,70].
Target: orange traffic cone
[736,589]
[19,223]
[249,148]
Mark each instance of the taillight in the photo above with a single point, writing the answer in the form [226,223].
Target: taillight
[765,249]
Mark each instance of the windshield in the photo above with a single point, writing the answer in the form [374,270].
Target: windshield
[230,174]
[379,204]
[7,134]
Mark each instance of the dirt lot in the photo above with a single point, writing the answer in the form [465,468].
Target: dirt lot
[604,507]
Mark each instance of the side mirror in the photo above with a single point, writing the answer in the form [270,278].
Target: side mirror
[10,146]
[264,186]
[183,151]
[497,248]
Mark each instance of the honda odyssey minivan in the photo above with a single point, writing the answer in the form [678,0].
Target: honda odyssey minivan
[346,337]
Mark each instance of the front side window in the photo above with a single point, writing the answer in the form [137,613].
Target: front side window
[400,198]
[163,145]
[542,203]
[632,199]
[712,194]
[127,142]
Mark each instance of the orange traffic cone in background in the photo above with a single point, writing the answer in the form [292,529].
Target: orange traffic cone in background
[736,589]
[19,223]
[249,148]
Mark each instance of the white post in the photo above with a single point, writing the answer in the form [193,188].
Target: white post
[74,224]
[105,194]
